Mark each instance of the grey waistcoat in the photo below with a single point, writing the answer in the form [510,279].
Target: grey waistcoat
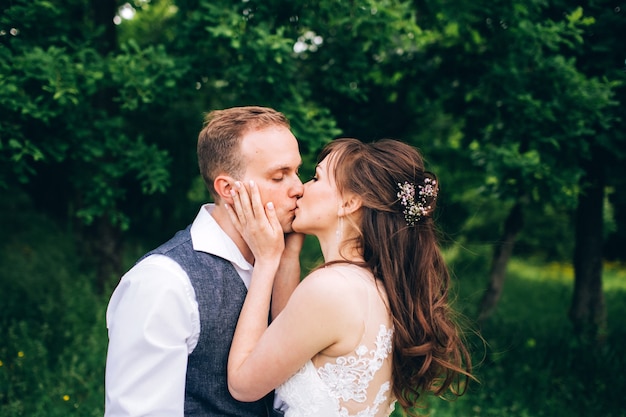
[220,293]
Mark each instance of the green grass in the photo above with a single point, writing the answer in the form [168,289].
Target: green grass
[52,333]
[53,336]
[531,364]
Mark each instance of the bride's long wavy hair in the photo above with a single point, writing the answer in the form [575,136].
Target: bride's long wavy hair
[429,354]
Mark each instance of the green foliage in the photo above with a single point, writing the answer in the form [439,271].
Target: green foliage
[505,99]
[52,335]
[151,23]
[361,59]
[502,98]
[244,55]
[59,97]
[363,46]
[530,364]
[144,74]
[532,112]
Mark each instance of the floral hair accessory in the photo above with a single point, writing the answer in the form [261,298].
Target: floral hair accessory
[417,206]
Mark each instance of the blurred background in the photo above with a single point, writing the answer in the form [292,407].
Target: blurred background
[517,106]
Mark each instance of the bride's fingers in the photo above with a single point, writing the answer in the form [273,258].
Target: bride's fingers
[247,211]
[273,218]
[234,211]
[260,211]
[237,204]
[256,203]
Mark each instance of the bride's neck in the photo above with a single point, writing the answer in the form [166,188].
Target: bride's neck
[332,250]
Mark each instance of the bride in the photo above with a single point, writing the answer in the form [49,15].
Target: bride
[372,325]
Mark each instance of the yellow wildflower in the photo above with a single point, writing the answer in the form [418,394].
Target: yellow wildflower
[66,397]
[20,354]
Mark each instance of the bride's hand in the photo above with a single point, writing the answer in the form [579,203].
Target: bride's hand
[258,225]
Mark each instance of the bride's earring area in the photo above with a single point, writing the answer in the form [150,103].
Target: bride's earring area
[339,231]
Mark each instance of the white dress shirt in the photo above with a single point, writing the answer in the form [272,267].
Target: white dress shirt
[154,324]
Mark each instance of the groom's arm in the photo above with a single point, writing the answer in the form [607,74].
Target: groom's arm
[149,319]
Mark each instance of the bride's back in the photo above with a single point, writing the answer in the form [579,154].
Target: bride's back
[353,377]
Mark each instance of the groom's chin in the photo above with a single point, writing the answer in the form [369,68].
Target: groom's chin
[287,228]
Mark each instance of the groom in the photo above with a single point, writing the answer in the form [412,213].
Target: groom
[172,316]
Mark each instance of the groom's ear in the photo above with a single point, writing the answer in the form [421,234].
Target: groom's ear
[351,203]
[223,184]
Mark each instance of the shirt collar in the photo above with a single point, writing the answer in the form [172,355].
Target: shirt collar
[207,236]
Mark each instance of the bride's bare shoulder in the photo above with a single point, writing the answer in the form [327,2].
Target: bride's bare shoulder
[334,279]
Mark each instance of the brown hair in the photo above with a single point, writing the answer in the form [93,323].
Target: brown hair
[428,352]
[219,139]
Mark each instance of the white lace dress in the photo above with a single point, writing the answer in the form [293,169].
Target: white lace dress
[333,389]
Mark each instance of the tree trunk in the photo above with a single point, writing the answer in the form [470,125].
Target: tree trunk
[107,240]
[103,14]
[501,255]
[587,311]
[107,251]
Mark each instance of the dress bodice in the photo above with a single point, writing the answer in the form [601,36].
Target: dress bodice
[347,387]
